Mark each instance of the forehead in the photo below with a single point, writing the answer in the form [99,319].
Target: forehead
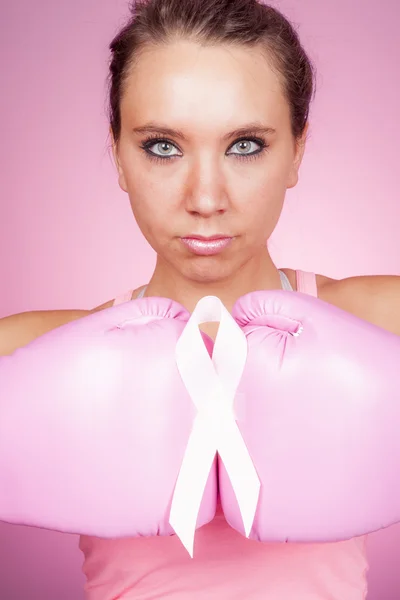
[183,82]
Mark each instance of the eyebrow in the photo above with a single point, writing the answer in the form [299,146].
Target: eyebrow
[249,128]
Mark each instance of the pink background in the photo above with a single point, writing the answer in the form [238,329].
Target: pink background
[67,238]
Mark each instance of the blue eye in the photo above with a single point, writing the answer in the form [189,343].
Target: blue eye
[163,146]
[245,144]
[160,149]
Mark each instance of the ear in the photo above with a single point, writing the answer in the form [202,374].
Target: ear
[121,177]
[300,145]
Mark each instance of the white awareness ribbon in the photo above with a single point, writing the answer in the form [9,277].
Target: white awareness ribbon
[212,384]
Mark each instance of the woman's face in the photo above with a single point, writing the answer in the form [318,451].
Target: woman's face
[206,151]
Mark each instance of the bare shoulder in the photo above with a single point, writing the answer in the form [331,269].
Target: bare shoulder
[374,298]
[20,329]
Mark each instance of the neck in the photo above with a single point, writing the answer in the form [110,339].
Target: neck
[258,274]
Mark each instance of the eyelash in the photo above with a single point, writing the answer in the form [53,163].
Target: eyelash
[154,139]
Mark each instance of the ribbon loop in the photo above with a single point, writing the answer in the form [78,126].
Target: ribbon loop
[212,384]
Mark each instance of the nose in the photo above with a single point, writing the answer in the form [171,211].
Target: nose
[206,193]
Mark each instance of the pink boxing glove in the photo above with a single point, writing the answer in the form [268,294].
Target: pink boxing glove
[318,407]
[94,422]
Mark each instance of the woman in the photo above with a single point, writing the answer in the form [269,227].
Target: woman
[209,104]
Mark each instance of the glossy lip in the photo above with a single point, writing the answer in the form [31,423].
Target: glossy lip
[206,246]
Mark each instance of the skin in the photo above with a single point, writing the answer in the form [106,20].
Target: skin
[208,187]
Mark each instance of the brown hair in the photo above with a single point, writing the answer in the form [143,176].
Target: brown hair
[209,22]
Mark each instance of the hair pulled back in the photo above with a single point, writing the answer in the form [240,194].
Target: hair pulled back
[248,23]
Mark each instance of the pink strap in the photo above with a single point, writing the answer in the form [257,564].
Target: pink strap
[123,298]
[307,283]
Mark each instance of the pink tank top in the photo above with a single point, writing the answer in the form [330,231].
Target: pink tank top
[226,565]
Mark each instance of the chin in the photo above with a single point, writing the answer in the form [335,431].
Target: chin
[209,271]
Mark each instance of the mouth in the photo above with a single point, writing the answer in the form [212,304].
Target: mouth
[206,246]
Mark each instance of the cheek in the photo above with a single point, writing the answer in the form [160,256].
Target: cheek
[151,207]
[262,215]
[270,177]
[150,187]
[262,195]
